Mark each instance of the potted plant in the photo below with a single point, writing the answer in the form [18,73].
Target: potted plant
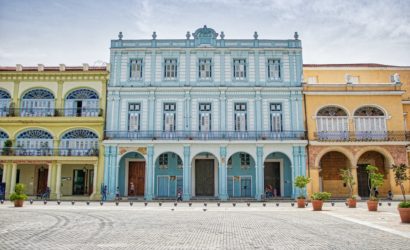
[318,198]
[348,180]
[301,182]
[376,180]
[400,176]
[18,196]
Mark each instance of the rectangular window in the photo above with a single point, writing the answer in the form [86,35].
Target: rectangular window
[240,117]
[163,161]
[169,116]
[134,110]
[245,160]
[274,69]
[205,116]
[205,69]
[136,69]
[276,117]
[239,69]
[170,69]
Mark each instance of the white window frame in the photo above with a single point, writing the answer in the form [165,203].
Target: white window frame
[134,110]
[274,69]
[136,69]
[240,111]
[239,69]
[169,110]
[276,112]
[205,109]
[170,69]
[205,69]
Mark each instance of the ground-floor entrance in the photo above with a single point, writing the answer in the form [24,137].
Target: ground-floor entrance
[363,181]
[204,177]
[136,178]
[272,179]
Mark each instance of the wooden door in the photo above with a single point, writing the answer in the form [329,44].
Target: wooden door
[363,181]
[136,175]
[42,181]
[204,177]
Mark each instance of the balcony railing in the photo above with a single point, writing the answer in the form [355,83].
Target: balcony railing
[208,135]
[50,112]
[48,152]
[364,136]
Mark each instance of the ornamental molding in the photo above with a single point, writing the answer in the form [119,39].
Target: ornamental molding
[124,150]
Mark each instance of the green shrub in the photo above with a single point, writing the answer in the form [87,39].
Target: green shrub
[376,180]
[348,179]
[321,196]
[404,204]
[400,176]
[301,182]
[18,193]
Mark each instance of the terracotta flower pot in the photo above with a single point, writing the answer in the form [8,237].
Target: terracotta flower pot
[317,205]
[18,203]
[372,205]
[351,203]
[301,203]
[404,214]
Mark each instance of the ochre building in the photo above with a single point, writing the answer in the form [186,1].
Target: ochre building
[356,114]
[51,128]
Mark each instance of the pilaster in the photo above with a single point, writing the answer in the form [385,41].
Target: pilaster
[259,173]
[58,181]
[13,177]
[223,172]
[186,195]
[149,193]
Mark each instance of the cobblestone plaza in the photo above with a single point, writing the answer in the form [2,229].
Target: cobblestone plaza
[93,226]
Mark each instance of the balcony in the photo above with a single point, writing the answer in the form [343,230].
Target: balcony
[20,151]
[361,136]
[50,112]
[205,136]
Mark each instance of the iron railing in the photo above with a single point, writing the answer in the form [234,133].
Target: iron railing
[206,135]
[20,151]
[51,112]
[364,136]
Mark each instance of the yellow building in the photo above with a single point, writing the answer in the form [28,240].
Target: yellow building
[51,128]
[356,114]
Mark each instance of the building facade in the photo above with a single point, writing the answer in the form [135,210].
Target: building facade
[51,129]
[204,116]
[356,115]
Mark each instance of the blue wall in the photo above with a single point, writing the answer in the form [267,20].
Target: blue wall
[236,170]
[172,170]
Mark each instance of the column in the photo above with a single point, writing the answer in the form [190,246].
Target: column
[149,193]
[355,187]
[58,181]
[186,193]
[5,166]
[223,172]
[258,111]
[259,173]
[295,168]
[107,169]
[13,177]
[315,179]
[222,111]
[113,177]
[151,111]
[49,175]
[95,180]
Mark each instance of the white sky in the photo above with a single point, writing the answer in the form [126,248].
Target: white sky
[79,31]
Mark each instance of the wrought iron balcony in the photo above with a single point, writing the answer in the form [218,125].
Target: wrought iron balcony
[20,151]
[206,135]
[51,112]
[361,136]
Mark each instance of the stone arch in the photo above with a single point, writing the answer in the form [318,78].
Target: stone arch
[370,110]
[204,174]
[168,174]
[338,110]
[277,175]
[342,150]
[241,174]
[132,168]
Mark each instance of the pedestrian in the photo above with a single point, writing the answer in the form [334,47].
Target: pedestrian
[104,193]
[132,188]
[390,195]
[117,194]
[179,195]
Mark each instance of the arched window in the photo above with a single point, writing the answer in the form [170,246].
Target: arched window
[3,137]
[34,142]
[79,142]
[82,102]
[370,123]
[332,123]
[5,100]
[37,102]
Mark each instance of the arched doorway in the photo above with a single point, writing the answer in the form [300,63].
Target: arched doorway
[131,176]
[241,175]
[330,164]
[37,102]
[332,123]
[370,123]
[277,175]
[82,102]
[5,101]
[168,175]
[376,159]
[205,175]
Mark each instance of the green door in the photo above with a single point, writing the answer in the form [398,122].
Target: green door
[79,182]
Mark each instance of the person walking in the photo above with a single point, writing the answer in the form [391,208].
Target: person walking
[104,193]
[132,189]
[117,194]
[179,195]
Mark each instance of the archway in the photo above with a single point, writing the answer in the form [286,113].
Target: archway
[277,175]
[82,102]
[37,102]
[241,175]
[330,180]
[5,101]
[168,179]
[376,159]
[332,123]
[205,175]
[370,123]
[131,175]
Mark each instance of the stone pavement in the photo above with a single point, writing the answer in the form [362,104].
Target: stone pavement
[65,226]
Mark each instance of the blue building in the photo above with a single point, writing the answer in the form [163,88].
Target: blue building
[204,116]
